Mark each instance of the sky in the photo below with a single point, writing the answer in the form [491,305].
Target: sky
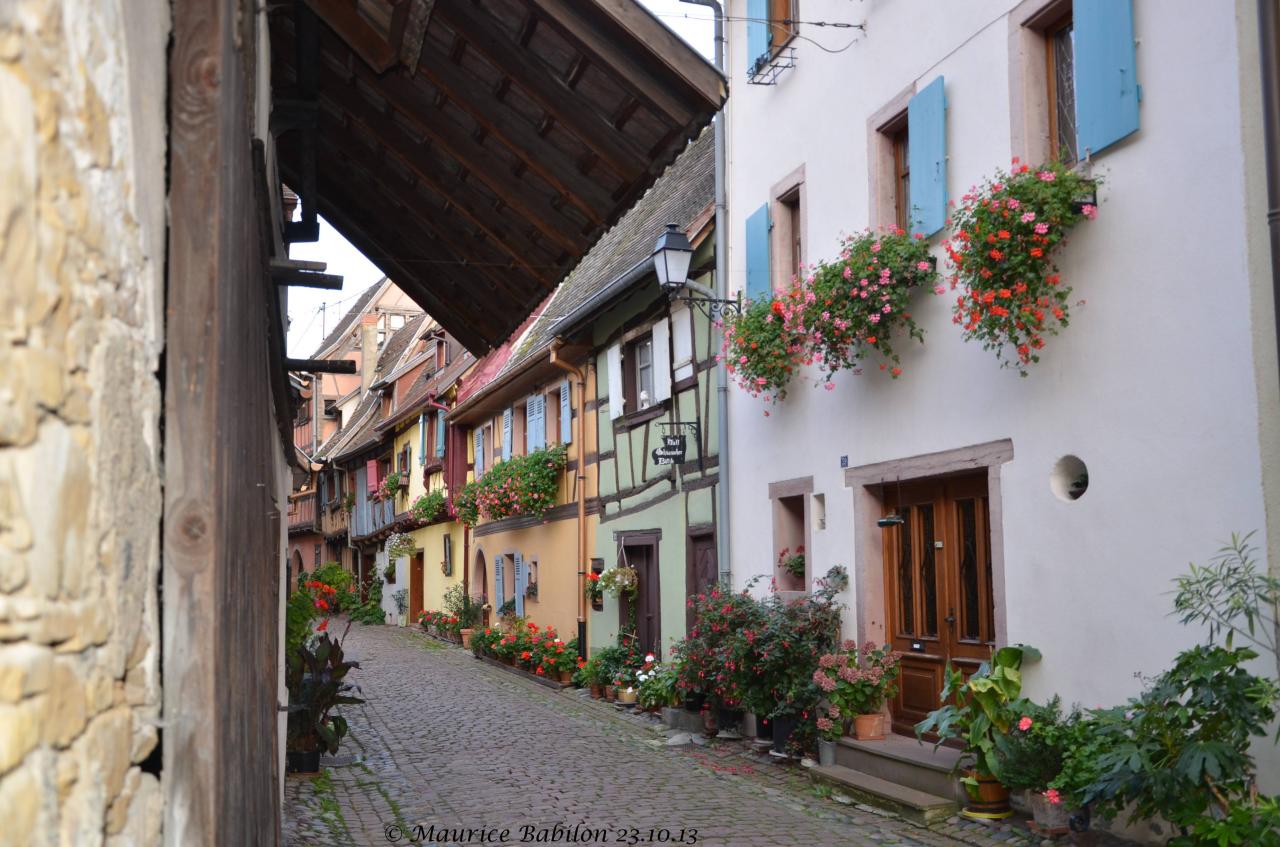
[312,312]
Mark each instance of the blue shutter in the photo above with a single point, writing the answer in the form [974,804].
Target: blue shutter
[479,447]
[1106,73]
[535,423]
[520,578]
[566,414]
[927,157]
[497,583]
[758,272]
[440,433]
[506,435]
[422,438]
[757,32]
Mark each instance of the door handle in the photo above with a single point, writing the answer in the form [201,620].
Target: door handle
[951,617]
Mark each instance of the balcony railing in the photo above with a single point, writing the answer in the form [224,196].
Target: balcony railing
[370,516]
[302,511]
[334,519]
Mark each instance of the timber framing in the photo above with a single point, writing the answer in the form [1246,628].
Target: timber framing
[475,151]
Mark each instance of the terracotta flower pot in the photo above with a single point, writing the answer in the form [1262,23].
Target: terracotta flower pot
[610,693]
[869,727]
[466,638]
[597,691]
[988,801]
[710,722]
[566,677]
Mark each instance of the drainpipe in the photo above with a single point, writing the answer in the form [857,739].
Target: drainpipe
[433,403]
[581,485]
[1269,34]
[722,292]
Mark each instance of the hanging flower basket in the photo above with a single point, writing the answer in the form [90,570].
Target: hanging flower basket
[1001,254]
[620,581]
[838,313]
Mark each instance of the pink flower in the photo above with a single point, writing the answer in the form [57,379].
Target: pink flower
[1042,228]
[1053,796]
[1025,724]
[939,289]
[1012,203]
[742,360]
[1028,217]
[1089,211]
[1047,176]
[922,266]
[875,248]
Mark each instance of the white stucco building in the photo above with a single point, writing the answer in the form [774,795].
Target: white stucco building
[1164,387]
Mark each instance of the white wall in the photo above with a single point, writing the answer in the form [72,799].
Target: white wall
[390,588]
[1152,385]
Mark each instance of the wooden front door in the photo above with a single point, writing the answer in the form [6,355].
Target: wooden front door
[938,578]
[415,587]
[644,558]
[704,571]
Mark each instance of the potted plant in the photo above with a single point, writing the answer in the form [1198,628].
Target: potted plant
[619,581]
[1031,756]
[401,599]
[429,506]
[1001,255]
[315,677]
[858,682]
[591,588]
[465,609]
[978,711]
[656,685]
[792,563]
[349,501]
[590,676]
[828,725]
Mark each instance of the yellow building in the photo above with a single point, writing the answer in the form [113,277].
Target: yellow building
[518,404]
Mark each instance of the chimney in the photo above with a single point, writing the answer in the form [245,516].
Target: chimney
[368,351]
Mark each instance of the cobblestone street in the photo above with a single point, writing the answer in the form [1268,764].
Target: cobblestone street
[448,741]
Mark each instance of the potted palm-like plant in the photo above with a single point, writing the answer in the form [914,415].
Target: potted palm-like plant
[316,680]
[979,710]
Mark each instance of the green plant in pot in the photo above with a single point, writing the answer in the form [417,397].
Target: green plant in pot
[315,677]
[1032,757]
[979,710]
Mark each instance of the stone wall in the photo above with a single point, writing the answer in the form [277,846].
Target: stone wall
[82,241]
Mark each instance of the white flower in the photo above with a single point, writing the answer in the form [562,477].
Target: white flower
[648,657]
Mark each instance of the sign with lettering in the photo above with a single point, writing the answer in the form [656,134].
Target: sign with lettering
[671,452]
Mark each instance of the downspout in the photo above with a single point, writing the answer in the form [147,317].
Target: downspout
[466,530]
[581,486]
[722,292]
[1269,35]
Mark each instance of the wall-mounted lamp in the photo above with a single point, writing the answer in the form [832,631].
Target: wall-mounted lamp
[671,258]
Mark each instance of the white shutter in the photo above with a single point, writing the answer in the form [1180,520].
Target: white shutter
[661,361]
[616,396]
[566,414]
[682,342]
[479,448]
[506,434]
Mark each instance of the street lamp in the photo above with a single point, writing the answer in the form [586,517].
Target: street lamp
[671,258]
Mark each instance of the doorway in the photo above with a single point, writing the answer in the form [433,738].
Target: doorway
[703,570]
[938,581]
[415,587]
[642,610]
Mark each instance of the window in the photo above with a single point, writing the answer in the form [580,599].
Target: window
[786,251]
[901,178]
[781,30]
[638,374]
[395,321]
[1060,72]
[442,354]
[791,223]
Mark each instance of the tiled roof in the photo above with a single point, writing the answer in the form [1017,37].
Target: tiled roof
[679,196]
[352,315]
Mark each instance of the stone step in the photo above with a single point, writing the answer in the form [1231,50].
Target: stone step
[919,807]
[905,761]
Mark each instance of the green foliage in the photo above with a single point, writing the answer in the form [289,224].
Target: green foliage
[391,484]
[300,611]
[657,685]
[316,681]
[461,606]
[858,681]
[1031,754]
[759,351]
[1231,596]
[1180,749]
[1247,822]
[370,611]
[619,581]
[429,506]
[341,580]
[593,672]
[466,504]
[980,709]
[401,599]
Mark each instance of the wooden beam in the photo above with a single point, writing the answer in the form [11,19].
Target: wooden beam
[305,278]
[519,196]
[415,33]
[569,108]
[367,43]
[320,366]
[656,87]
[450,240]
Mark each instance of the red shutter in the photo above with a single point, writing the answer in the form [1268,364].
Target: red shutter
[371,475]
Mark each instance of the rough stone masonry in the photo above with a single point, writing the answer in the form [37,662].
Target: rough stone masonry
[82,240]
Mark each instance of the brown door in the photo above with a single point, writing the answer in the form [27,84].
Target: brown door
[938,579]
[415,587]
[703,571]
[648,629]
